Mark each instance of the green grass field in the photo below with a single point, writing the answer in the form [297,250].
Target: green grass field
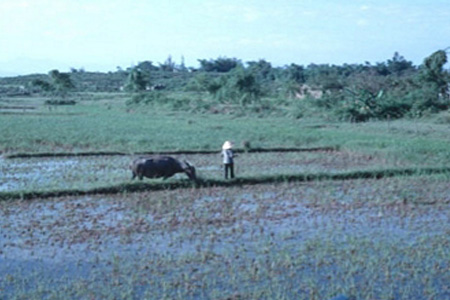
[106,124]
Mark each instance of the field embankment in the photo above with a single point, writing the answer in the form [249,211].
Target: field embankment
[210,183]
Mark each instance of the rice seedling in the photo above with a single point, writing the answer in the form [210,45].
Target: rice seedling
[287,240]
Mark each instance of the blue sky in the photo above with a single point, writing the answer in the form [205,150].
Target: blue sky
[99,35]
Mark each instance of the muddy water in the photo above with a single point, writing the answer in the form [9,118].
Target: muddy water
[65,240]
[61,173]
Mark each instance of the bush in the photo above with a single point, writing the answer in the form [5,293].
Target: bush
[147,98]
[427,100]
[443,118]
[60,102]
[362,105]
[391,107]
[238,87]
[168,101]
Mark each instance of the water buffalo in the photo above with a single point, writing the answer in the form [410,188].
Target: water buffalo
[164,166]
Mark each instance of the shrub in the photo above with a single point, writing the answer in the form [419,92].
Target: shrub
[60,102]
[392,107]
[238,87]
[427,100]
[443,118]
[146,98]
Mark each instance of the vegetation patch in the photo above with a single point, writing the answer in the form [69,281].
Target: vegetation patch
[60,102]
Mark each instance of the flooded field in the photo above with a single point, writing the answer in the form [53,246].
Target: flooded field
[372,239]
[47,173]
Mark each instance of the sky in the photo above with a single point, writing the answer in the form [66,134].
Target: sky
[37,36]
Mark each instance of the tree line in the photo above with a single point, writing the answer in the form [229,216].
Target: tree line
[358,92]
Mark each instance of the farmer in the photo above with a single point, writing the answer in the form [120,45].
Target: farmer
[228,155]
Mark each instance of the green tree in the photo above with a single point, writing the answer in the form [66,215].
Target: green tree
[221,64]
[262,70]
[239,86]
[325,77]
[433,72]
[168,66]
[204,82]
[296,73]
[42,84]
[399,65]
[59,83]
[146,66]
[136,81]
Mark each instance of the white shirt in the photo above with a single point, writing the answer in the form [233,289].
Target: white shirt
[227,156]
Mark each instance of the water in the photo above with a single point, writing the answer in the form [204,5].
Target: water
[288,237]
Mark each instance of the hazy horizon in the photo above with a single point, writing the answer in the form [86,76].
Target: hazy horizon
[101,35]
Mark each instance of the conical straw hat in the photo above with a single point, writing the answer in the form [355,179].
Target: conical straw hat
[227,145]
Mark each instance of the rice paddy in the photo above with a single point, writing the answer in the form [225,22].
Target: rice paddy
[373,239]
[324,223]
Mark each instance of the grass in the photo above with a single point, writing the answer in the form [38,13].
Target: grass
[89,126]
[109,126]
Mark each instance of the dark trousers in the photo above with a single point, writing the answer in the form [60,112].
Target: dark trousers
[229,167]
